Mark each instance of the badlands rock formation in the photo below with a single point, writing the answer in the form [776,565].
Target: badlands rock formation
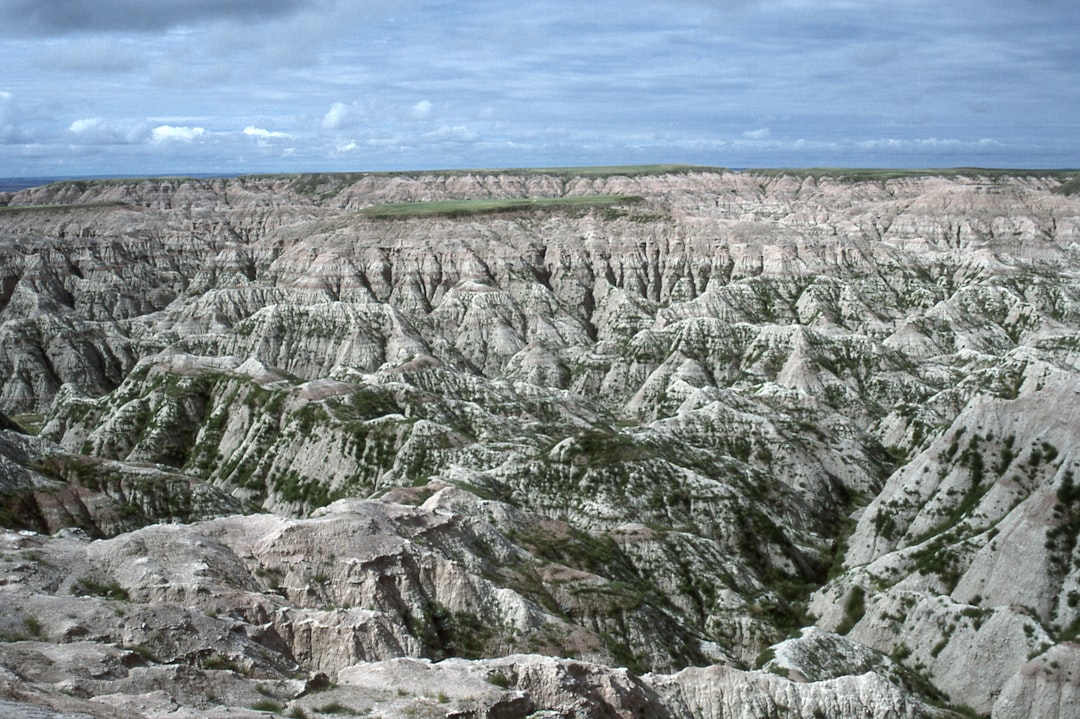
[654,443]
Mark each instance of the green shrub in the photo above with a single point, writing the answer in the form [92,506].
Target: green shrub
[33,625]
[266,705]
[499,679]
[108,590]
[854,608]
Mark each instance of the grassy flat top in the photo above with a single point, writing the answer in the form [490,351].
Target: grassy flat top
[465,208]
[844,173]
[598,171]
[13,209]
[567,172]
[856,174]
[324,183]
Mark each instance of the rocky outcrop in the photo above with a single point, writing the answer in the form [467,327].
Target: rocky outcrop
[45,489]
[1045,686]
[940,550]
[233,612]
[664,433]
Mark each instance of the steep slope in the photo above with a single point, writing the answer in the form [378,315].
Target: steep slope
[328,614]
[45,489]
[687,410]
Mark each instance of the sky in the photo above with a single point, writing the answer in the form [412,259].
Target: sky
[133,87]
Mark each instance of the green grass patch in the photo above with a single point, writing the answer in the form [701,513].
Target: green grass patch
[108,590]
[266,705]
[470,208]
[499,679]
[1068,187]
[863,174]
[17,209]
[29,423]
[335,708]
[854,608]
[33,625]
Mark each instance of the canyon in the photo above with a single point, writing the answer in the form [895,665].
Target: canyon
[597,442]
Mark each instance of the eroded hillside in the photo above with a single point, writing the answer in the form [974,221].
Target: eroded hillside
[658,420]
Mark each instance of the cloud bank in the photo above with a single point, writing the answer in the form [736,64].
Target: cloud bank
[71,16]
[133,86]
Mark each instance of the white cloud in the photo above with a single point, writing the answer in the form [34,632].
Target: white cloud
[346,146]
[457,133]
[99,131]
[762,133]
[168,133]
[253,131]
[81,127]
[335,117]
[422,109]
[898,143]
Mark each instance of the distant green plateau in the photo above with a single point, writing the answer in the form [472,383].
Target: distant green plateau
[488,206]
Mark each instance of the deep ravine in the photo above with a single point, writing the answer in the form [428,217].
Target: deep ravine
[692,443]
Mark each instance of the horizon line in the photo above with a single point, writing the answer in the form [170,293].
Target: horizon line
[644,168]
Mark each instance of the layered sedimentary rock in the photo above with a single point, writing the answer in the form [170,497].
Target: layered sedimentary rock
[665,428]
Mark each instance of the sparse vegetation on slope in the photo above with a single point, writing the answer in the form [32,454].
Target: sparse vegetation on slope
[658,418]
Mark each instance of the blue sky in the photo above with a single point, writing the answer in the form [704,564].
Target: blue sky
[178,86]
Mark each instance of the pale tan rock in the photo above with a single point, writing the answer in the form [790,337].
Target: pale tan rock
[703,384]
